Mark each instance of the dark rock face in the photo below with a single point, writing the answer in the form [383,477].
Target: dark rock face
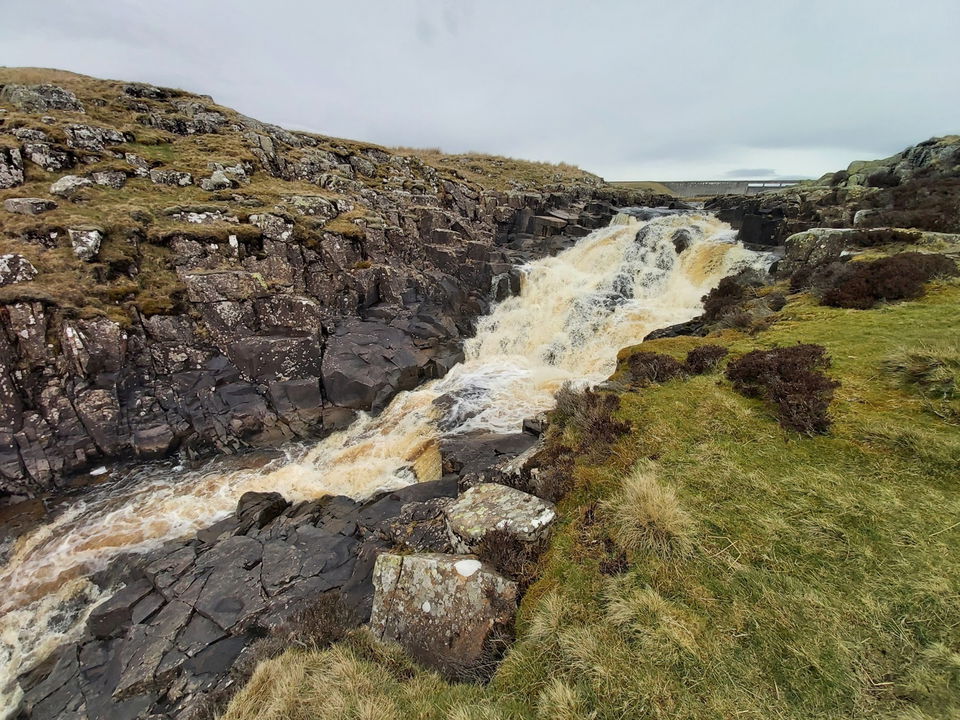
[187,612]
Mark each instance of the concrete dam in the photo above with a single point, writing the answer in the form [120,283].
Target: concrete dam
[709,188]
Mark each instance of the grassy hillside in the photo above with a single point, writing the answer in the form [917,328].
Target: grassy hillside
[811,577]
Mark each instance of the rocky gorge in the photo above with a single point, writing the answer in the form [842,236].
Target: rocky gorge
[148,309]
[181,282]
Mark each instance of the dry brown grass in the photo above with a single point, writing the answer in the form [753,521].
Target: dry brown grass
[646,516]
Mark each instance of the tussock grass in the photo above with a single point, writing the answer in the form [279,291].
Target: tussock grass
[933,371]
[646,516]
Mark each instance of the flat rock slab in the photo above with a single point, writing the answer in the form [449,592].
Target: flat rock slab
[442,609]
[28,206]
[490,506]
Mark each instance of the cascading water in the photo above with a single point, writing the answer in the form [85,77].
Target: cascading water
[574,312]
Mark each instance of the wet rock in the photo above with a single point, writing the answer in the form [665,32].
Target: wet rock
[40,98]
[28,206]
[109,617]
[69,185]
[171,177]
[491,506]
[442,609]
[366,363]
[85,242]
[11,168]
[15,269]
[256,509]
[681,240]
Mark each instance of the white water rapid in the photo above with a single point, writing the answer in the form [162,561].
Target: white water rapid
[574,312]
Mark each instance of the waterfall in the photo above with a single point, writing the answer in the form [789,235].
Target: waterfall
[574,312]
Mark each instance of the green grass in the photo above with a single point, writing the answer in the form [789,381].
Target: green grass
[822,580]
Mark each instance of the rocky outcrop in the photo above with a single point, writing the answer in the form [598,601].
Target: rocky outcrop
[917,188]
[11,167]
[28,206]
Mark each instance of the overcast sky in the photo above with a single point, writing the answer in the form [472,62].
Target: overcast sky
[641,89]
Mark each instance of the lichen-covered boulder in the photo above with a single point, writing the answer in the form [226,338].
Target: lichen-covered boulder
[110,178]
[15,269]
[444,610]
[813,247]
[218,180]
[70,185]
[39,98]
[85,242]
[51,158]
[171,177]
[28,206]
[89,137]
[11,168]
[491,506]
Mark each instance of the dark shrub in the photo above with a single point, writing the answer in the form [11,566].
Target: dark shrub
[704,358]
[648,367]
[554,478]
[791,379]
[898,277]
[591,413]
[725,296]
[510,555]
[776,301]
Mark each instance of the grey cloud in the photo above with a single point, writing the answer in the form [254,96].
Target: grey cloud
[627,89]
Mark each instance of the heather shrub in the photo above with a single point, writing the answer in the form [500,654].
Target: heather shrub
[510,555]
[591,414]
[651,367]
[897,277]
[792,380]
[776,301]
[720,300]
[703,359]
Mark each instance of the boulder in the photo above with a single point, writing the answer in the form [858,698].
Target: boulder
[171,177]
[28,206]
[39,98]
[367,363]
[444,610]
[88,137]
[69,185]
[218,180]
[816,246]
[51,158]
[256,509]
[85,242]
[11,168]
[490,506]
[15,269]
[109,178]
